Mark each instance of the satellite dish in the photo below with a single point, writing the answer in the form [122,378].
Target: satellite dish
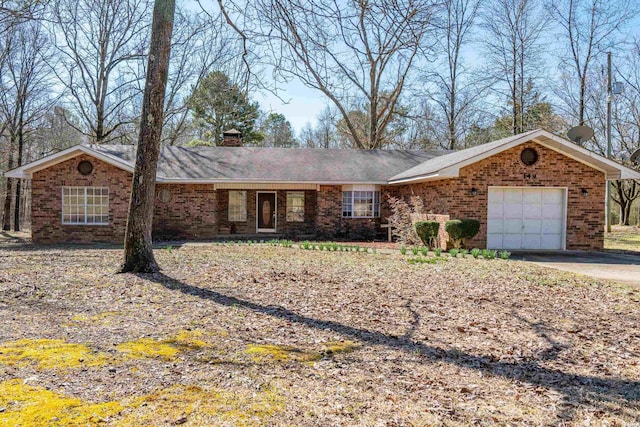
[579,134]
[635,157]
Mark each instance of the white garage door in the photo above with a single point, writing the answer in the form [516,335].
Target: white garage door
[526,218]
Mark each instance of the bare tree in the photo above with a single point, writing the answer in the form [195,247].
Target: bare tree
[24,98]
[589,28]
[101,45]
[17,12]
[138,250]
[356,52]
[514,29]
[626,122]
[456,91]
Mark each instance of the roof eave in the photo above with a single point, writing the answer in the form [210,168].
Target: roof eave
[26,171]
[443,174]
[161,180]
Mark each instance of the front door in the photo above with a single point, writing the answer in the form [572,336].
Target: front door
[266,212]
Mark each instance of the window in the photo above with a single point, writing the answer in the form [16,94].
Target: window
[295,206]
[361,204]
[529,156]
[85,205]
[164,195]
[85,167]
[237,205]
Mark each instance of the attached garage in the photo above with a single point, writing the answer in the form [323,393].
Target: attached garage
[526,218]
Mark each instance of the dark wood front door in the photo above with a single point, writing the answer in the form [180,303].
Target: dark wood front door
[266,212]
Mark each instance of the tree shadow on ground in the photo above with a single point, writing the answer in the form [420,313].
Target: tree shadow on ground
[611,395]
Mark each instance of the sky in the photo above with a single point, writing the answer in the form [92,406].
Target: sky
[301,105]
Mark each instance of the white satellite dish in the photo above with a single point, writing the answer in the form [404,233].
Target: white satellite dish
[580,134]
[635,157]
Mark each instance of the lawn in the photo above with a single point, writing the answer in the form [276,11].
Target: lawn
[623,238]
[262,335]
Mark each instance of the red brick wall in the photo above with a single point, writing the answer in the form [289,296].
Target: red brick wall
[46,205]
[198,212]
[190,214]
[329,222]
[292,229]
[585,214]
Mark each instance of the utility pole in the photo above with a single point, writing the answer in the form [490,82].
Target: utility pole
[609,98]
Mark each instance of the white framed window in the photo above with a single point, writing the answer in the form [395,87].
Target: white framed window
[360,204]
[85,205]
[237,205]
[295,206]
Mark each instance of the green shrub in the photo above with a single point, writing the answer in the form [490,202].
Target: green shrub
[403,250]
[475,252]
[454,252]
[464,253]
[414,250]
[427,231]
[504,254]
[424,250]
[461,229]
[437,251]
[489,254]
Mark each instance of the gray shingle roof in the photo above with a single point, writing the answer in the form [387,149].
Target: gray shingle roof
[276,164]
[436,164]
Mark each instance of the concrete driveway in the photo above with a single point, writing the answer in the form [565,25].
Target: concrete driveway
[617,267]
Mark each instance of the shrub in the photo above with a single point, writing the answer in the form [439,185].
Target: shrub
[414,250]
[488,254]
[437,251]
[403,250]
[464,253]
[424,250]
[454,252]
[428,232]
[475,252]
[461,229]
[504,254]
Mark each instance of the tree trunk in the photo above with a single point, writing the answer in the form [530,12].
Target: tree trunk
[6,217]
[625,214]
[16,206]
[138,250]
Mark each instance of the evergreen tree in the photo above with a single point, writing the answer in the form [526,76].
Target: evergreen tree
[219,105]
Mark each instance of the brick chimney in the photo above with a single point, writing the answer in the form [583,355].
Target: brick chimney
[232,138]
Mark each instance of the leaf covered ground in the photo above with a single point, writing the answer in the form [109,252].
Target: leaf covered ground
[262,335]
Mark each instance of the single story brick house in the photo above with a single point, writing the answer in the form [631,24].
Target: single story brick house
[530,191]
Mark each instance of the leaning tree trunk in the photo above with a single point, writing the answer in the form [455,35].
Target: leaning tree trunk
[138,251]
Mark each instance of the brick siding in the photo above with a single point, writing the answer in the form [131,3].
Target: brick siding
[189,215]
[46,202]
[585,214]
[197,211]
